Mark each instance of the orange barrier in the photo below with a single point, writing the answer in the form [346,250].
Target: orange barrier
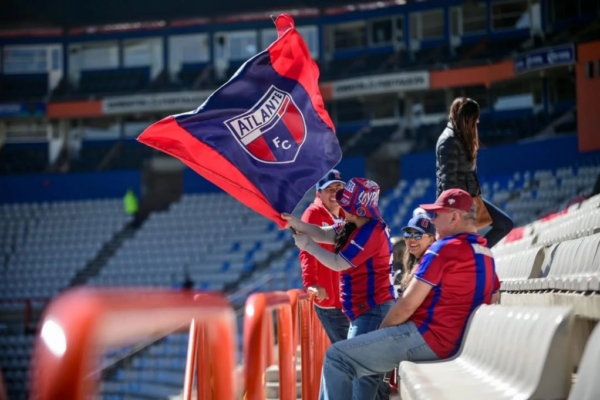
[320,347]
[258,344]
[79,324]
[301,312]
[313,341]
[3,395]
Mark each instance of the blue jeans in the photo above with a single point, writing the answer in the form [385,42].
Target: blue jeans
[373,353]
[369,321]
[502,224]
[335,323]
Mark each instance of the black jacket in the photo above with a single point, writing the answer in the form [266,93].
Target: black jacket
[453,168]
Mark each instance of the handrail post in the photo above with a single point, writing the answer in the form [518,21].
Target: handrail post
[190,362]
[301,311]
[287,369]
[203,366]
[256,321]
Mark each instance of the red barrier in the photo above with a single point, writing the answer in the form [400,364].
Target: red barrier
[258,344]
[81,323]
[3,395]
[313,342]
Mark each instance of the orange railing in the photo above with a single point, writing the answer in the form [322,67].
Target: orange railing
[3,395]
[259,344]
[304,329]
[81,323]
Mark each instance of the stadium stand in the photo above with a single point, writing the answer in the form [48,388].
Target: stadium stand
[487,366]
[167,246]
[73,99]
[44,245]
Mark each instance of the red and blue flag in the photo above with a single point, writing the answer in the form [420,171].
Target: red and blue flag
[264,137]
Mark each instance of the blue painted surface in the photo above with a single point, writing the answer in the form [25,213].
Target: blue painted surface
[75,186]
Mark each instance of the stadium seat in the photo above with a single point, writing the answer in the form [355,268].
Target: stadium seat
[507,353]
[587,385]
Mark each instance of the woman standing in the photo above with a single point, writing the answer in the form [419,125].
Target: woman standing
[456,162]
[363,255]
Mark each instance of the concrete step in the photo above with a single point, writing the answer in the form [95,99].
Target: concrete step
[272,390]
[273,374]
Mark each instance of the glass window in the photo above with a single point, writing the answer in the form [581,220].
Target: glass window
[474,17]
[415,26]
[400,29]
[99,56]
[561,10]
[24,60]
[137,53]
[349,36]
[455,25]
[381,31]
[432,24]
[267,36]
[242,45]
[56,59]
[510,15]
[310,34]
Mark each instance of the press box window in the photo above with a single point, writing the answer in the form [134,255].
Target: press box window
[427,25]
[381,31]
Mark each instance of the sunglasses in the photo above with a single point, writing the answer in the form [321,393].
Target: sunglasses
[414,235]
[434,214]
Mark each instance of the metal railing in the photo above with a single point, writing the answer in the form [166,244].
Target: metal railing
[80,323]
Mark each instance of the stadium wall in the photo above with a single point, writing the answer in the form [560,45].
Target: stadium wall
[98,185]
[73,186]
[550,153]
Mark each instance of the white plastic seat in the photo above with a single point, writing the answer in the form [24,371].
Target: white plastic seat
[515,270]
[587,386]
[507,353]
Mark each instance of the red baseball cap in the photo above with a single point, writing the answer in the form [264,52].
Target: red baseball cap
[451,199]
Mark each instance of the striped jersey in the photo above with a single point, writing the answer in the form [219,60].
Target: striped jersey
[368,282]
[462,272]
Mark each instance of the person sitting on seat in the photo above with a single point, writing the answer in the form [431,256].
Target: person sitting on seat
[419,234]
[427,323]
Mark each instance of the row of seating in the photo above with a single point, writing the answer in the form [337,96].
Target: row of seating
[509,352]
[528,347]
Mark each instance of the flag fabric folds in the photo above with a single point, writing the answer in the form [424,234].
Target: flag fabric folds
[264,137]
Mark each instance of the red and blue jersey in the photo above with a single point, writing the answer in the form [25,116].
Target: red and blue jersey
[462,272]
[368,282]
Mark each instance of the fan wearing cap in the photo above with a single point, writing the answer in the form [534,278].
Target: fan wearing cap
[455,276]
[319,280]
[419,234]
[363,253]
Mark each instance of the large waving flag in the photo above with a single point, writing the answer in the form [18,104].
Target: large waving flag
[264,137]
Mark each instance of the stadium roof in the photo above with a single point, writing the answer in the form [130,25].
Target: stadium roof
[77,13]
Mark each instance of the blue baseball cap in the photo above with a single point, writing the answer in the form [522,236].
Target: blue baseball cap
[333,176]
[421,223]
